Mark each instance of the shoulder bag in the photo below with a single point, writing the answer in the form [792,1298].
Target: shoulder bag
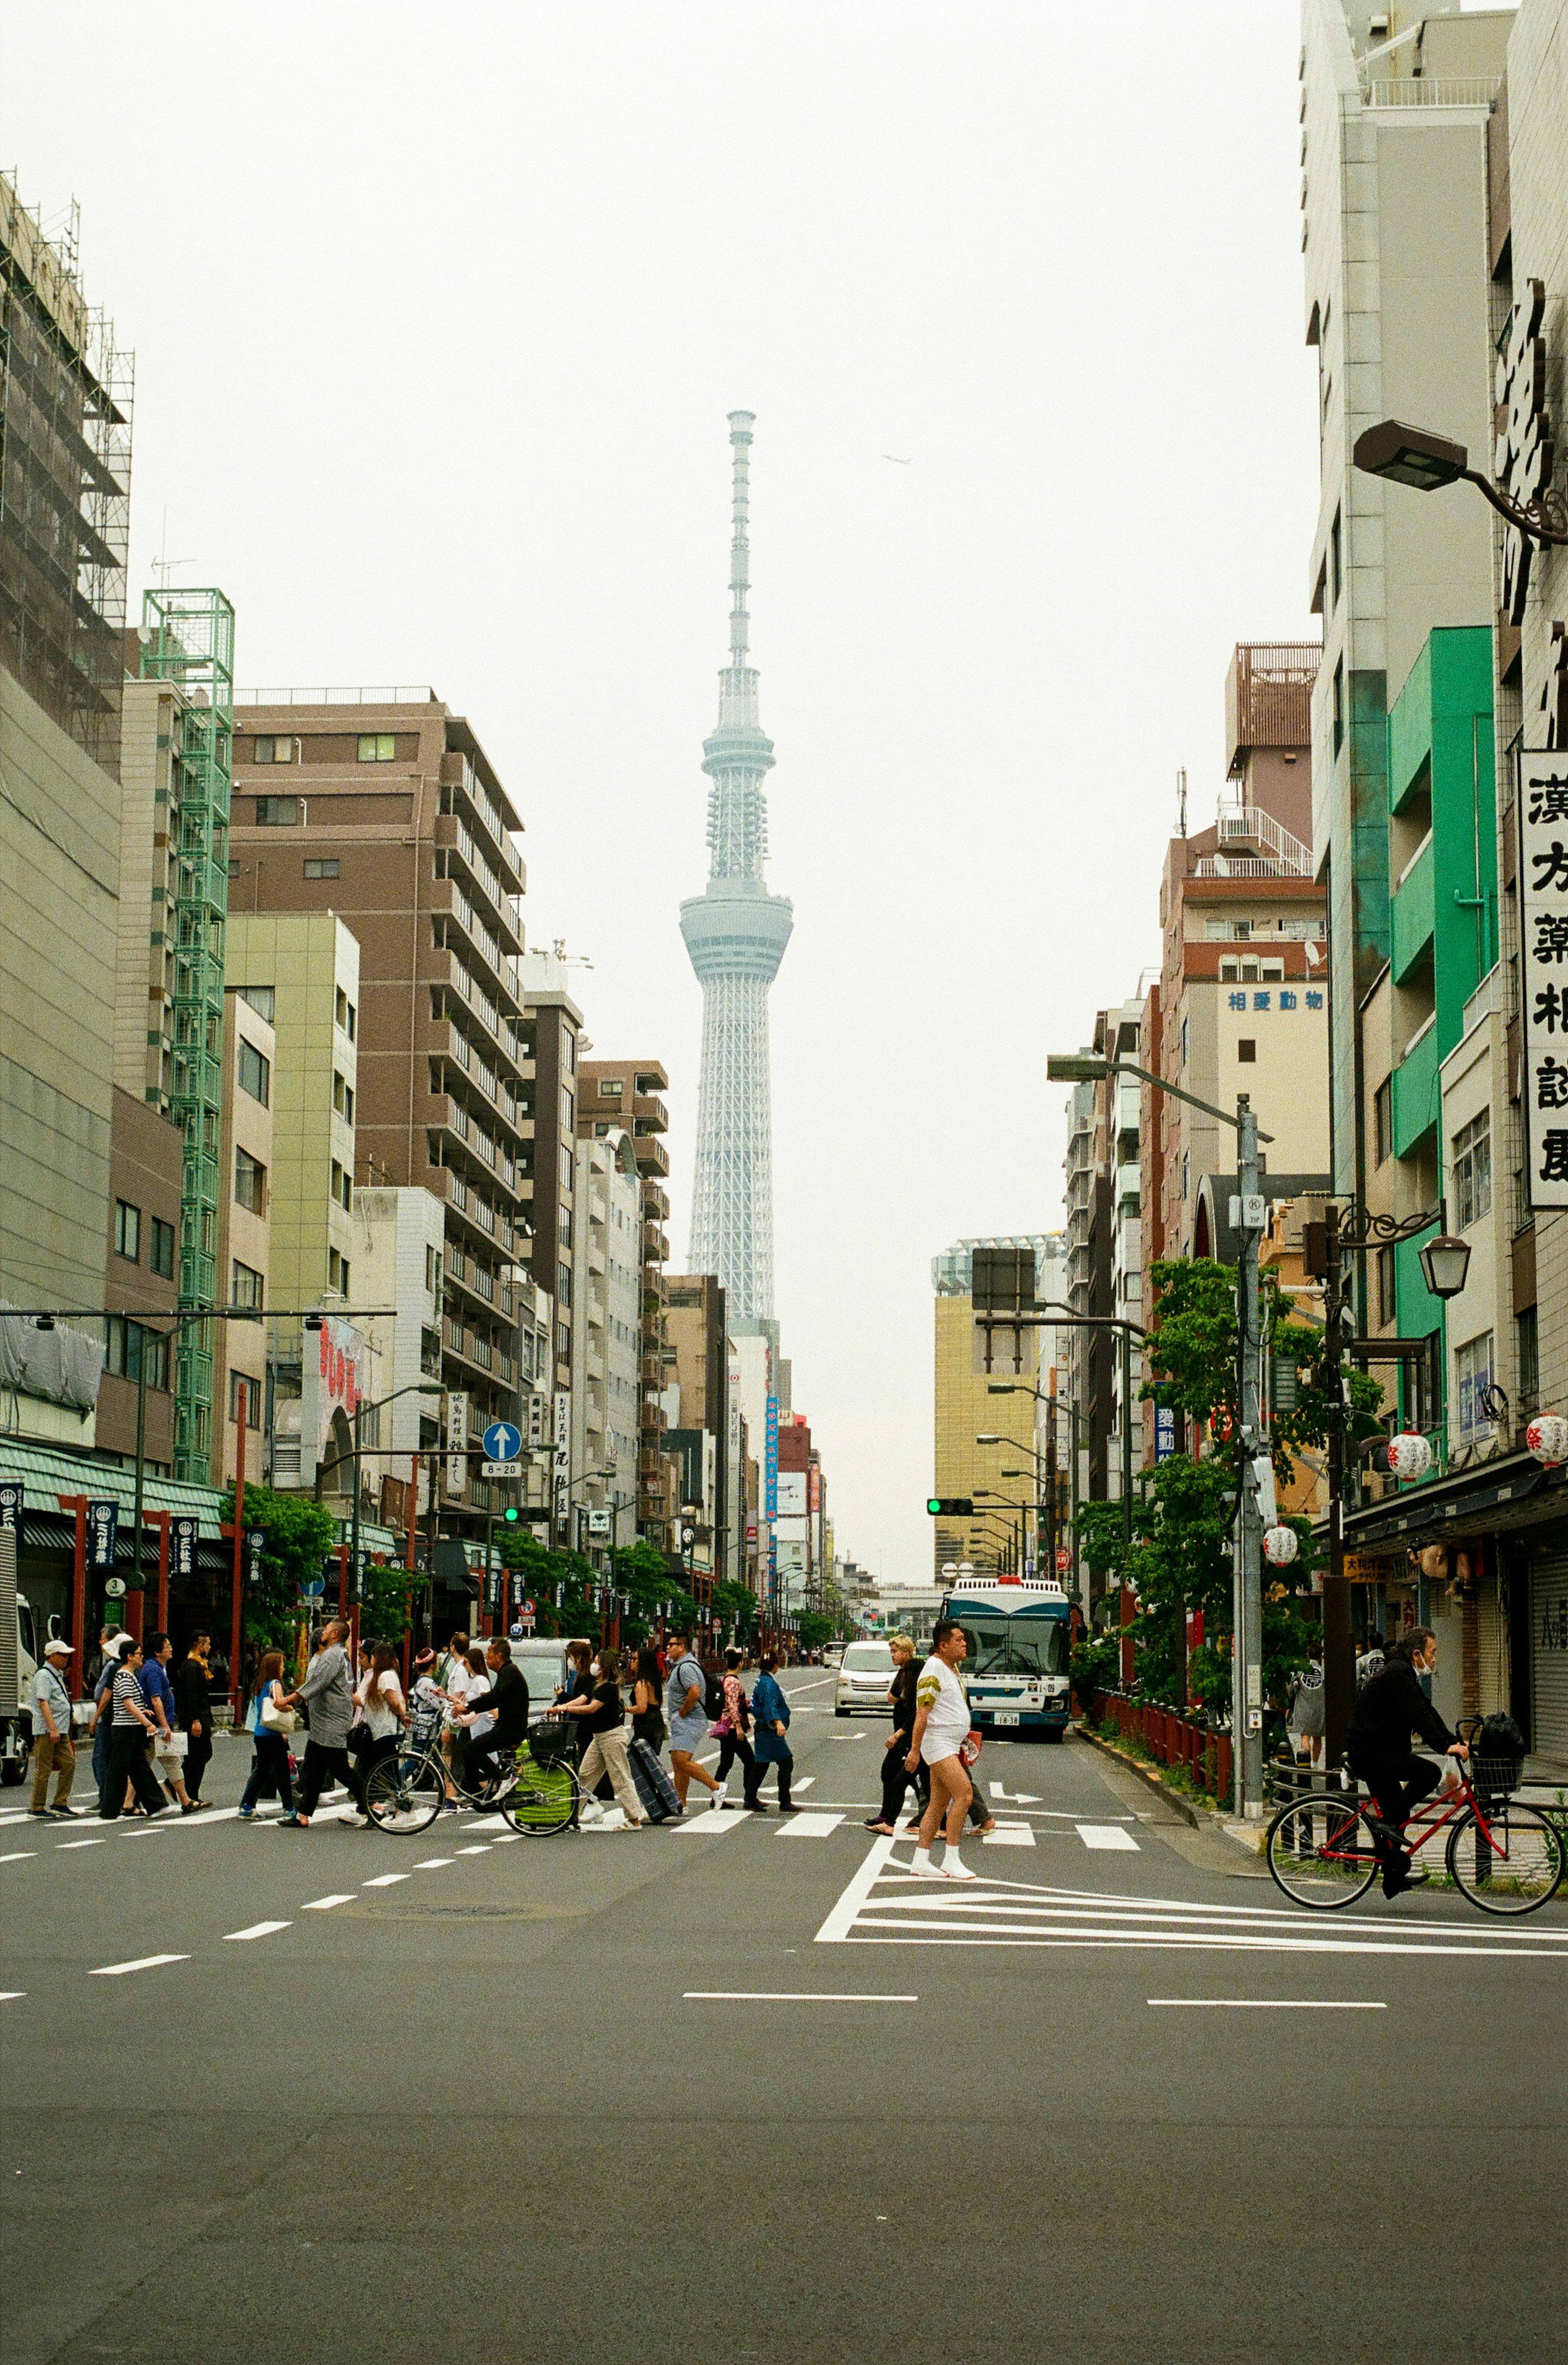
[276,1719]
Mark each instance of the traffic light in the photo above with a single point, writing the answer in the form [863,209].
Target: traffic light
[511,1515]
[950,1506]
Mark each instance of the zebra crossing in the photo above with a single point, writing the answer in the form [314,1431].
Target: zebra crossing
[884,1906]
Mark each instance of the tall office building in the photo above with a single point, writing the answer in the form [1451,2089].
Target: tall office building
[996,1539]
[735,933]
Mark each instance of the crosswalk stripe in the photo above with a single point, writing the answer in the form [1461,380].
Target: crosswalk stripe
[1106,1835]
[709,1820]
[808,1826]
[1009,1835]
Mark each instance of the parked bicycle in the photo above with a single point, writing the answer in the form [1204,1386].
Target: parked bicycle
[1505,1856]
[538,1793]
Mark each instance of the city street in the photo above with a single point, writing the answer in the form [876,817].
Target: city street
[738,2087]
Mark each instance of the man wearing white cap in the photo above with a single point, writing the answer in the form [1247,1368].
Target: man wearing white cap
[53,1752]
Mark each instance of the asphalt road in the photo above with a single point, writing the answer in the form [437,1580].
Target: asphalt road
[742,2088]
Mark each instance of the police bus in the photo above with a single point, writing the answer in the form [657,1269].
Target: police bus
[1016,1670]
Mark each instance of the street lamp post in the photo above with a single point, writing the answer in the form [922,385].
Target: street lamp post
[354,1458]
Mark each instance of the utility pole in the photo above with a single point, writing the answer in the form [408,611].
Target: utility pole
[1339,1664]
[1247,1668]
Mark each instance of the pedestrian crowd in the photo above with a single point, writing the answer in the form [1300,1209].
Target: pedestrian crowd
[151,1731]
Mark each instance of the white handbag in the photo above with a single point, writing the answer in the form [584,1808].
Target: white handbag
[276,1719]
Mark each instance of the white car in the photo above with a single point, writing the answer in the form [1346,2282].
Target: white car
[865,1678]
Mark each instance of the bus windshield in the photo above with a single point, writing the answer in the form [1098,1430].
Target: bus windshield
[1015,1646]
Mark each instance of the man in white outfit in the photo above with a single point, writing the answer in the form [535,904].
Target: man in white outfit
[941,1727]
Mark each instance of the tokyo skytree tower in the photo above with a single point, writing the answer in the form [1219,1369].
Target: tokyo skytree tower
[735,933]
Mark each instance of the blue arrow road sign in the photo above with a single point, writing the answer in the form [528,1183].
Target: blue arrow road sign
[502,1441]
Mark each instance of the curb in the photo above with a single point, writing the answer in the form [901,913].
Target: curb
[1179,1806]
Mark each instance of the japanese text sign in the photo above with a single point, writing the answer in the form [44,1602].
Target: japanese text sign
[1544,946]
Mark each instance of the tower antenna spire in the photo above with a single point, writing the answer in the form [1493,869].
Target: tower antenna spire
[741,424]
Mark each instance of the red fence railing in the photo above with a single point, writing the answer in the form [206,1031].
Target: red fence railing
[1171,1739]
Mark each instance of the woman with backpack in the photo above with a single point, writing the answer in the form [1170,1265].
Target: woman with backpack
[732,1728]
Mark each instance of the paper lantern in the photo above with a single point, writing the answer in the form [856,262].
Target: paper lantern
[1546,1438]
[1409,1456]
[1281,1546]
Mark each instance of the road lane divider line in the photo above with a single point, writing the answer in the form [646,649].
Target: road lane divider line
[481,1847]
[142,1962]
[808,1826]
[12,1995]
[1258,2003]
[505,1839]
[62,1845]
[256,1930]
[325,1904]
[22,1856]
[769,1995]
[387,1880]
[433,1863]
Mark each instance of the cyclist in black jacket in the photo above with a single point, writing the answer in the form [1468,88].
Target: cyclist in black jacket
[1389,1706]
[507,1701]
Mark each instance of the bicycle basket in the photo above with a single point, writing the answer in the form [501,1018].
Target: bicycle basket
[550,1741]
[1498,1757]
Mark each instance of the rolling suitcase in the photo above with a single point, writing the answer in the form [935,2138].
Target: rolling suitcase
[649,1772]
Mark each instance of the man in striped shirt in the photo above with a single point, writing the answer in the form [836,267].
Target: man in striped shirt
[131,1729]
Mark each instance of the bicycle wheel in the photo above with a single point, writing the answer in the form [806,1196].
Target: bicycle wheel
[404,1793]
[1509,1862]
[543,1799]
[1321,1851]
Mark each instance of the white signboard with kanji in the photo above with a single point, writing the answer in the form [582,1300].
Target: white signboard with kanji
[1543,949]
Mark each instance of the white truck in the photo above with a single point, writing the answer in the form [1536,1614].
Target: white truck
[19,1645]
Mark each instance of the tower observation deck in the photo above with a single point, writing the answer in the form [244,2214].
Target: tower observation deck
[735,933]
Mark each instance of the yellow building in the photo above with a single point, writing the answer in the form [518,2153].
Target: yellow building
[992,1540]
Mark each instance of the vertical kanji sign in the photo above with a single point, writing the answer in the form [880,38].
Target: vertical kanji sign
[1543,963]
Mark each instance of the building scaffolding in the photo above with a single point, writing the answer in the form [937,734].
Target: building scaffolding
[187,638]
[65,411]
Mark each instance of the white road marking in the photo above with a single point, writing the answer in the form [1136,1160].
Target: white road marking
[12,1995]
[62,1845]
[22,1855]
[325,1904]
[766,1995]
[433,1863]
[847,1736]
[1255,2003]
[256,1930]
[804,1781]
[142,1962]
[708,1819]
[1009,1835]
[1106,1835]
[482,1847]
[884,1905]
[505,1839]
[808,1826]
[387,1880]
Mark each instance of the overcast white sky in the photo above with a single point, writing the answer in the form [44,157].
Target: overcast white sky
[437,316]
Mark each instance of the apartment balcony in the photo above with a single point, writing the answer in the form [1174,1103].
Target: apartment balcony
[1413,912]
[649,1114]
[1415,1089]
[467,861]
[477,945]
[653,1158]
[655,1203]
[656,1246]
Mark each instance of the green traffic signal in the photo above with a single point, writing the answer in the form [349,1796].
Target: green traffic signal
[512,1515]
[950,1506]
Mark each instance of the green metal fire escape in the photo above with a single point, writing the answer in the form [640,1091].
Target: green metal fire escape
[189,639]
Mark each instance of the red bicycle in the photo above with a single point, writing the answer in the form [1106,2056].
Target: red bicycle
[1507,1858]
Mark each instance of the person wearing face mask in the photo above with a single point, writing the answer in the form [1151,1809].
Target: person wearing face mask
[1389,1708]
[606,1752]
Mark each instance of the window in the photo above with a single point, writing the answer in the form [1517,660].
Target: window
[609,1087]
[565,1230]
[263,999]
[344,1015]
[1246,1050]
[563,1343]
[128,1344]
[1248,972]
[277,812]
[1229,971]
[128,1232]
[342,1187]
[1473,1382]
[564,1284]
[1335,557]
[377,746]
[1382,1120]
[569,1050]
[1471,1155]
[250,1183]
[253,1387]
[248,1287]
[1529,1360]
[343,1098]
[161,1253]
[1275,971]
[337,1272]
[1186,1042]
[1386,1296]
[565,1166]
[255,1072]
[1186,1174]
[324,865]
[1338,706]
[431,1268]
[272,750]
